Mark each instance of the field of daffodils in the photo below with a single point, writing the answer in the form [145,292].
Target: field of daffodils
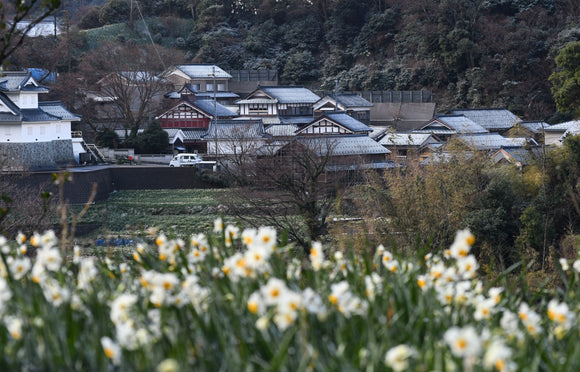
[244,300]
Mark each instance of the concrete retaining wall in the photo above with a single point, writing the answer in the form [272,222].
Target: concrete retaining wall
[111,178]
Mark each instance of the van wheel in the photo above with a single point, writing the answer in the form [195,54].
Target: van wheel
[171,166]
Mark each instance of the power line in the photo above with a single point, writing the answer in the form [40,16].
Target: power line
[149,34]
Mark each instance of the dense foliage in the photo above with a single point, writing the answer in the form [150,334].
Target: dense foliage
[470,52]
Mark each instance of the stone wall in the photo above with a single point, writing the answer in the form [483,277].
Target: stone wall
[36,155]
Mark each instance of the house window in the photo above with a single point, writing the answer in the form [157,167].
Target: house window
[221,87]
[196,87]
[209,87]
[42,130]
[29,131]
[258,109]
[7,131]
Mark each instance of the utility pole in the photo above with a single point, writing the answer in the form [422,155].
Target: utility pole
[215,116]
[335,95]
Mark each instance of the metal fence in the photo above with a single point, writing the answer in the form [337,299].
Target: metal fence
[254,75]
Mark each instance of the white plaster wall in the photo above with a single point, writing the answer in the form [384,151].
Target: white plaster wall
[10,133]
[36,132]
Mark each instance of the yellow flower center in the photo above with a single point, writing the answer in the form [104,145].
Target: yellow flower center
[421,283]
[470,240]
[333,300]
[253,307]
[109,353]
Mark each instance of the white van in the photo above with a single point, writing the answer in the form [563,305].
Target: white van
[185,160]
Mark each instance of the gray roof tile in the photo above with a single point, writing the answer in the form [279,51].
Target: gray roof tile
[203,71]
[535,126]
[193,134]
[459,123]
[405,139]
[491,141]
[344,120]
[282,130]
[343,145]
[55,108]
[562,127]
[351,100]
[17,81]
[491,119]
[235,128]
[291,94]
[208,106]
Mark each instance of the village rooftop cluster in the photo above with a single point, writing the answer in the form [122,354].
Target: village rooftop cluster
[203,115]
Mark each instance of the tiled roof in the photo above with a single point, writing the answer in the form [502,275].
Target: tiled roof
[172,132]
[343,145]
[573,130]
[17,81]
[281,130]
[6,117]
[218,95]
[535,126]
[291,94]
[193,134]
[266,101]
[230,129]
[297,120]
[349,122]
[459,123]
[562,127]
[351,100]
[405,139]
[491,141]
[55,108]
[491,119]
[36,115]
[378,132]
[445,131]
[10,105]
[203,71]
[208,107]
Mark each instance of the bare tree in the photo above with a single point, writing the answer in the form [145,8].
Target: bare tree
[291,188]
[127,75]
[236,147]
[15,14]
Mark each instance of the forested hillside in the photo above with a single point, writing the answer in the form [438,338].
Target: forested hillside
[471,53]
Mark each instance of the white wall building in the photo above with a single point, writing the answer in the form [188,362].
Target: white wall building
[33,134]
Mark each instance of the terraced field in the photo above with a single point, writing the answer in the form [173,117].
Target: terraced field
[132,213]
